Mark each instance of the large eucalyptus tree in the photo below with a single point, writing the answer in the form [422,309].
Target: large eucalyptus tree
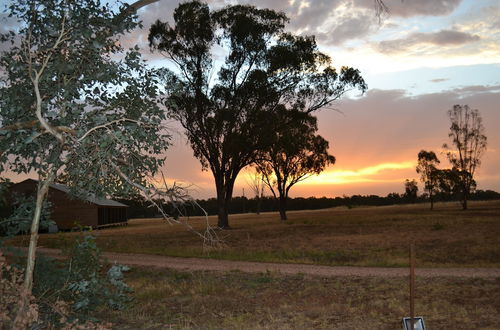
[234,68]
[73,101]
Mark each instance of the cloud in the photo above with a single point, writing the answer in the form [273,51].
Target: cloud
[476,90]
[332,21]
[346,28]
[415,8]
[440,38]
[438,80]
[162,10]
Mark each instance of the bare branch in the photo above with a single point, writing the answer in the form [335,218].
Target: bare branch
[141,3]
[111,123]
[36,78]
[174,194]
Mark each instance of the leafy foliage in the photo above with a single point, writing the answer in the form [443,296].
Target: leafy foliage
[80,282]
[411,190]
[73,100]
[66,294]
[449,184]
[19,221]
[427,162]
[296,152]
[87,287]
[226,115]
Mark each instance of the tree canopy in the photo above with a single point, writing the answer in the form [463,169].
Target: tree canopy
[67,105]
[225,104]
[294,154]
[411,190]
[427,168]
[73,101]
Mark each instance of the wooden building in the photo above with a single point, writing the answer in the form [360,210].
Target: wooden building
[69,212]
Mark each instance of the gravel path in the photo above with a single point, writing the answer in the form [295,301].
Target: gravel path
[192,264]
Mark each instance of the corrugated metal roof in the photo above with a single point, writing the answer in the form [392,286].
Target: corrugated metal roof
[91,198]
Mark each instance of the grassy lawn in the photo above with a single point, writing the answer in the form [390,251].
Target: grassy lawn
[364,236]
[371,236]
[167,299]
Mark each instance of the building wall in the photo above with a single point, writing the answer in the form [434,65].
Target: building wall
[110,215]
[69,213]
[66,211]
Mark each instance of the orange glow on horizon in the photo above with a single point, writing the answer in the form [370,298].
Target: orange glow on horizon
[366,174]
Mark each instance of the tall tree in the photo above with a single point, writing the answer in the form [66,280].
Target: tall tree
[427,168]
[225,115]
[67,106]
[294,154]
[468,146]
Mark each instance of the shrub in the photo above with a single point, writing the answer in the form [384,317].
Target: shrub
[21,215]
[80,281]
[66,293]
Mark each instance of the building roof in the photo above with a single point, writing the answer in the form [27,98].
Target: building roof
[91,198]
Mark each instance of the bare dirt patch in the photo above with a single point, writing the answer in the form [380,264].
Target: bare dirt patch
[199,264]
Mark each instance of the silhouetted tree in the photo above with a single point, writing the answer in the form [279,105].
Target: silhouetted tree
[469,145]
[427,162]
[295,153]
[449,184]
[411,190]
[225,115]
[256,183]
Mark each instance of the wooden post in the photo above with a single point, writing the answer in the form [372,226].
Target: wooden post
[412,286]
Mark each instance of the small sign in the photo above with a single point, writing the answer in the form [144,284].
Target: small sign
[53,228]
[418,323]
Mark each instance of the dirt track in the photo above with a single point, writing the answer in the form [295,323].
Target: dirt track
[192,264]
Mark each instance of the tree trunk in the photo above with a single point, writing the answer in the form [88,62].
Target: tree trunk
[282,207]
[431,197]
[43,187]
[465,196]
[224,194]
[259,201]
[223,218]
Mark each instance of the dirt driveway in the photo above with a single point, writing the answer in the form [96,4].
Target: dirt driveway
[193,264]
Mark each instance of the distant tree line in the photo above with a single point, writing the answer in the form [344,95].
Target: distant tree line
[239,204]
[142,208]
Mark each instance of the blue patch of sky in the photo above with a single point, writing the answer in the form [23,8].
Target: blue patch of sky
[433,80]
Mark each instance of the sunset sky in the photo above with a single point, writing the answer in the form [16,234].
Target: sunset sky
[423,58]
[420,60]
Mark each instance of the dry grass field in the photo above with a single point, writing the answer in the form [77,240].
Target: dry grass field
[371,236]
[167,299]
[364,236]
